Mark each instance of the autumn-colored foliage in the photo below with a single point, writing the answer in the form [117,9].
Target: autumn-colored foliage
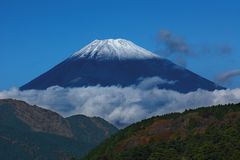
[207,133]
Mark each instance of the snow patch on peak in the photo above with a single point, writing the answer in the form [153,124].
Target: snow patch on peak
[109,49]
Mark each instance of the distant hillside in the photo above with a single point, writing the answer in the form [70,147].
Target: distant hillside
[33,133]
[210,133]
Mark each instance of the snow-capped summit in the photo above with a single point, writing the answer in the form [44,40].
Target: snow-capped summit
[109,49]
[118,62]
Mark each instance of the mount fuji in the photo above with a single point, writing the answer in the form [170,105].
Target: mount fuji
[118,62]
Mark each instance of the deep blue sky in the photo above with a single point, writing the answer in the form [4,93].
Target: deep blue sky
[36,35]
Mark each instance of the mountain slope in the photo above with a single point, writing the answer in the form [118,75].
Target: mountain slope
[29,132]
[118,62]
[206,133]
[90,130]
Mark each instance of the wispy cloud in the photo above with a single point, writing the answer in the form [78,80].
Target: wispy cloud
[228,76]
[173,44]
[179,49]
[220,49]
[120,105]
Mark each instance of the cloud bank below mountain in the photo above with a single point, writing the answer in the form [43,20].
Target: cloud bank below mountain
[121,105]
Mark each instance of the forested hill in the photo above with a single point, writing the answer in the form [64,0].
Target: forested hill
[32,133]
[207,133]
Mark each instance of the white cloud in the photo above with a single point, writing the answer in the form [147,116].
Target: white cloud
[120,105]
[152,82]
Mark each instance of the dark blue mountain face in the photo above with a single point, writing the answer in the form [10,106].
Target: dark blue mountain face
[78,72]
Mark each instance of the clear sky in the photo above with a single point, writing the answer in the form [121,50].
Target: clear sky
[36,35]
